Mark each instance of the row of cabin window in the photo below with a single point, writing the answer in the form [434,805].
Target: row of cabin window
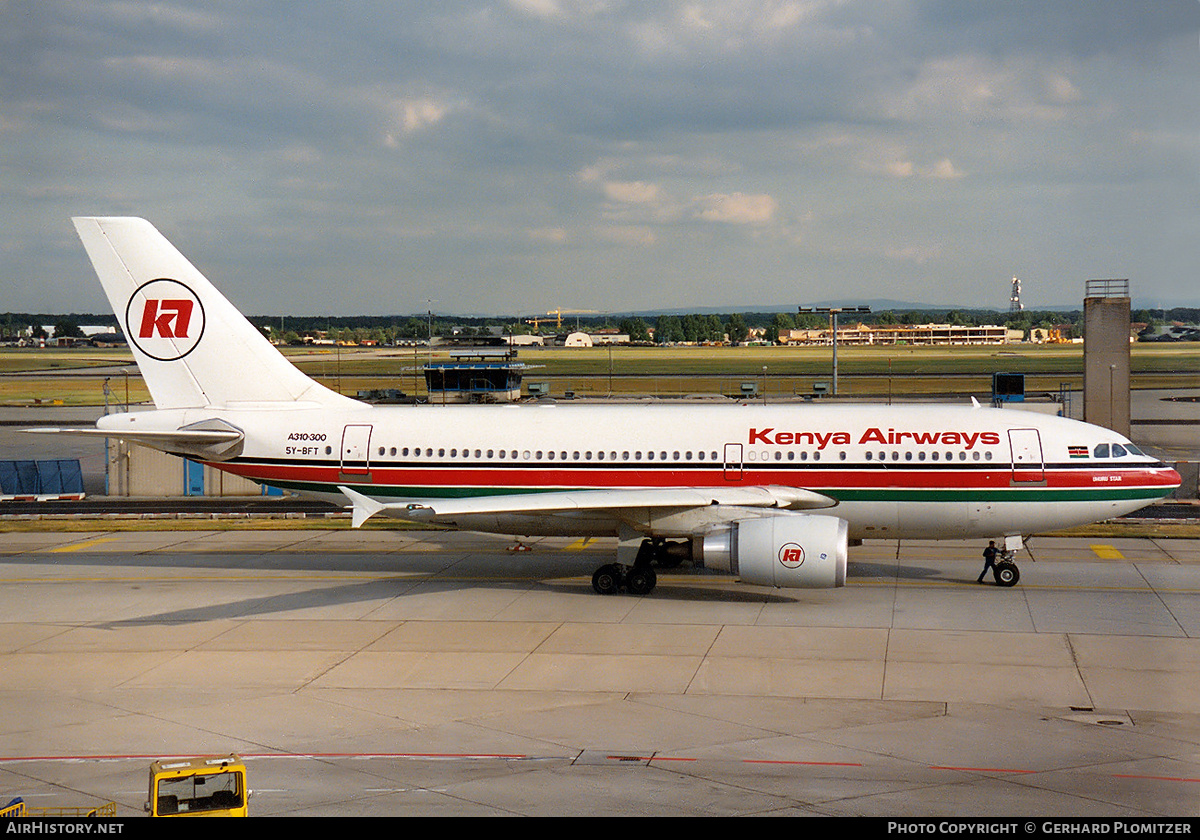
[539,455]
[871,456]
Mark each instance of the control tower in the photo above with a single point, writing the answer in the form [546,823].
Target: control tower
[1106,311]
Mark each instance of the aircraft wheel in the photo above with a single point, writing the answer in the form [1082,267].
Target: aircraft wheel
[1006,574]
[607,580]
[641,581]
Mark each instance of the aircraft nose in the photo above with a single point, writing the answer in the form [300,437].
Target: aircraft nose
[1169,478]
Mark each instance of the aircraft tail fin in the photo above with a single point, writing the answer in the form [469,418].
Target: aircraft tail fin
[191,344]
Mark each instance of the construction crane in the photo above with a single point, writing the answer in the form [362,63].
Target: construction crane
[558,313]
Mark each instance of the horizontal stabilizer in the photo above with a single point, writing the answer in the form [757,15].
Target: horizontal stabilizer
[215,444]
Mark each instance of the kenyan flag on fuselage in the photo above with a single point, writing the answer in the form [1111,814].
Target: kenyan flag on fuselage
[1077,451]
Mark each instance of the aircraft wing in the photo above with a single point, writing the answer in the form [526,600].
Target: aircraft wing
[789,498]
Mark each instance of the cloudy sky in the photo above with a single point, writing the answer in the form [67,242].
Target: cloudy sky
[516,156]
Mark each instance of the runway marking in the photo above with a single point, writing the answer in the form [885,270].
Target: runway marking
[1107,552]
[281,577]
[580,544]
[84,544]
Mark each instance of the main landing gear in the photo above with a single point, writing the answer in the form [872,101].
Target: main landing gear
[640,578]
[616,577]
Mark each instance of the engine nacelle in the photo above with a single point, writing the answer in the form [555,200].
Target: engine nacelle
[794,550]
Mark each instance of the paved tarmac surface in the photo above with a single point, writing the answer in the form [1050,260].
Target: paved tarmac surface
[430,673]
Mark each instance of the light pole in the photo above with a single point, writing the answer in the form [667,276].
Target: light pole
[833,312]
[1112,372]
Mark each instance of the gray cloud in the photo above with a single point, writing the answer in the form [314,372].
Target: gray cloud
[529,154]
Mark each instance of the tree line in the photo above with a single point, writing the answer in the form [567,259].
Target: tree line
[667,328]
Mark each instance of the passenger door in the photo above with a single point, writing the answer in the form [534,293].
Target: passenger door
[1027,464]
[356,451]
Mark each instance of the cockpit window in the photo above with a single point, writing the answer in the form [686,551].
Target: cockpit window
[1101,450]
[1117,450]
[1133,450]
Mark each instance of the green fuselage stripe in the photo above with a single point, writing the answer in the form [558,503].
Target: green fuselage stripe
[873,494]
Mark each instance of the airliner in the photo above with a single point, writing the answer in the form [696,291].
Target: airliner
[772,494]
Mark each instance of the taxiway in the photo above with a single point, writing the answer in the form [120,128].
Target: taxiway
[434,673]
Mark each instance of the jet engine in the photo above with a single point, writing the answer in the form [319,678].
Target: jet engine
[797,551]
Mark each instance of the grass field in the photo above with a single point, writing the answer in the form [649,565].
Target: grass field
[76,376]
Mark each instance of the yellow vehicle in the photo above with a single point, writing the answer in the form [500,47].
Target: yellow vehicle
[198,787]
[18,808]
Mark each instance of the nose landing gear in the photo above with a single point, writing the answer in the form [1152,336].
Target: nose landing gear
[1006,572]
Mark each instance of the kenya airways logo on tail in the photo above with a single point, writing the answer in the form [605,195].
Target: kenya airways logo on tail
[164,319]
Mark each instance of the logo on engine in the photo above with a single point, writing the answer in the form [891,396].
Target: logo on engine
[791,556]
[164,319]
